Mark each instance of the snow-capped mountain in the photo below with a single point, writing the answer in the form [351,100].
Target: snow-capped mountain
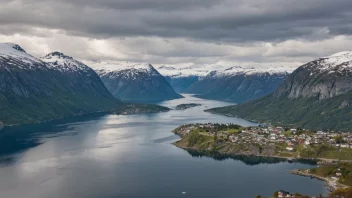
[182,78]
[239,84]
[134,82]
[317,95]
[334,62]
[65,63]
[17,56]
[324,78]
[182,72]
[32,90]
[250,71]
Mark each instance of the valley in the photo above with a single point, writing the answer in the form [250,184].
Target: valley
[115,153]
[175,99]
[139,91]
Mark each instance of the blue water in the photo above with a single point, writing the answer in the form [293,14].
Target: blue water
[108,156]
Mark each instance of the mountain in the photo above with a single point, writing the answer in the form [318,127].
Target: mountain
[318,95]
[134,82]
[238,84]
[182,78]
[34,90]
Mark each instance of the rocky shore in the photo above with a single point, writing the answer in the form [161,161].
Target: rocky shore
[331,183]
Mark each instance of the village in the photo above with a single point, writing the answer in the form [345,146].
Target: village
[290,139]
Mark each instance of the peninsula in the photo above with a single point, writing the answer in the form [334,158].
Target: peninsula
[267,141]
[331,150]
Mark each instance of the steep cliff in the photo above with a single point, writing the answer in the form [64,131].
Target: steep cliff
[318,95]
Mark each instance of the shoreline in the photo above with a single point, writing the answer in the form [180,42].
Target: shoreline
[102,112]
[331,184]
[242,154]
[54,119]
[317,160]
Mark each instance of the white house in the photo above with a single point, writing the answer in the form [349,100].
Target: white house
[289,148]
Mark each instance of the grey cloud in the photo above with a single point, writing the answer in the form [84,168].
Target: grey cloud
[207,20]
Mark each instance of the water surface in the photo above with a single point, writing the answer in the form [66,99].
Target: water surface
[110,156]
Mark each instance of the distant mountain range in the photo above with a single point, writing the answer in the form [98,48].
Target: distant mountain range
[182,78]
[134,82]
[235,84]
[33,89]
[238,84]
[317,95]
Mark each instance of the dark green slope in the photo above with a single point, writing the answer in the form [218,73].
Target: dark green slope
[318,95]
[307,113]
[34,91]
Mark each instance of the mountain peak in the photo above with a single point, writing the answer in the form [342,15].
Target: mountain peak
[14,51]
[342,54]
[116,66]
[64,63]
[145,66]
[166,67]
[17,47]
[331,62]
[57,54]
[231,68]
[7,48]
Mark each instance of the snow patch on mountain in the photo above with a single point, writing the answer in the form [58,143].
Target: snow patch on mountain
[238,70]
[11,52]
[64,63]
[183,72]
[341,60]
[129,70]
[111,66]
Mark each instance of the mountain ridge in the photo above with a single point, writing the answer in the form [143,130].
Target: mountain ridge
[238,84]
[32,90]
[317,95]
[134,82]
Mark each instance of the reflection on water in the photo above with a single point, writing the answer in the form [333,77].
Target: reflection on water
[109,156]
[19,138]
[248,160]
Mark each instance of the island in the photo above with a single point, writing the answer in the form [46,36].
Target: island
[331,150]
[1,126]
[186,106]
[129,109]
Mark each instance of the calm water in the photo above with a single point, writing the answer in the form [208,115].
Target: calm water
[108,156]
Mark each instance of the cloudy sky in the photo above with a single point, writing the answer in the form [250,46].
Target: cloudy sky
[181,32]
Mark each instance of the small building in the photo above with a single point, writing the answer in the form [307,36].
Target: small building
[289,148]
[282,194]
[344,146]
